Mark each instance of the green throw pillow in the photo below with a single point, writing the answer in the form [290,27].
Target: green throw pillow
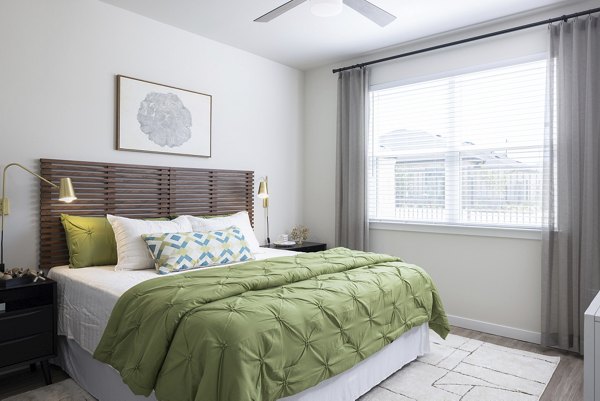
[91,241]
[174,252]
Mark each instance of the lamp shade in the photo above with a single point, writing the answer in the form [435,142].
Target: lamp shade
[326,8]
[66,191]
[263,190]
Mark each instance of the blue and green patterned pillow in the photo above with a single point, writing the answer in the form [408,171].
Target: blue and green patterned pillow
[173,252]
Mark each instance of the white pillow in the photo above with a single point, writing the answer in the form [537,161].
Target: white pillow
[239,219]
[132,252]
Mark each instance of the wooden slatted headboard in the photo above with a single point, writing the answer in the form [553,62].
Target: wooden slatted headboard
[138,192]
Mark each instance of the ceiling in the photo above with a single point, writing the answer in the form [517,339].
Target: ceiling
[302,40]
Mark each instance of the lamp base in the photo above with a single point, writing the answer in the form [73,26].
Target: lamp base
[2,268]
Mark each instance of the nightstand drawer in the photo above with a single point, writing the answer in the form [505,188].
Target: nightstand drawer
[26,349]
[26,322]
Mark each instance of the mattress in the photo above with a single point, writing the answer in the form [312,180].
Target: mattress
[86,296]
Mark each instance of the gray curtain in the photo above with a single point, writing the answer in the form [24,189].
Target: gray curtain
[571,236]
[351,218]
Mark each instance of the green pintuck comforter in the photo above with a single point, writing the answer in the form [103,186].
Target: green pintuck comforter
[264,330]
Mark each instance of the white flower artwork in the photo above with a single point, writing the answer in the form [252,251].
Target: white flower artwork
[162,119]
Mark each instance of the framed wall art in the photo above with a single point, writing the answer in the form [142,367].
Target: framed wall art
[162,119]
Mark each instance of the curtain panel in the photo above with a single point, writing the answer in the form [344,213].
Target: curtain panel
[571,233]
[351,218]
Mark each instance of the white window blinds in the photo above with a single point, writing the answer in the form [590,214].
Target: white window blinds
[465,149]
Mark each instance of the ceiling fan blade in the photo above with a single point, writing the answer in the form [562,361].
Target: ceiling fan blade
[279,10]
[371,11]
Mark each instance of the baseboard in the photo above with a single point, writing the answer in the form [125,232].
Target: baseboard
[497,329]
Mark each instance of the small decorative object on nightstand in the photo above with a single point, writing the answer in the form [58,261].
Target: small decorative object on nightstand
[20,276]
[28,325]
[304,247]
[299,234]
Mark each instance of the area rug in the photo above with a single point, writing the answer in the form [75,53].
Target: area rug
[456,369]
[66,390]
[463,369]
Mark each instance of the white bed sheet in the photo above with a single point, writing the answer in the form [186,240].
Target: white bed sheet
[87,296]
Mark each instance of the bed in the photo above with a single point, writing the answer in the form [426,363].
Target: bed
[87,296]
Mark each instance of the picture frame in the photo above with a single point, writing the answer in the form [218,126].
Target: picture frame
[158,118]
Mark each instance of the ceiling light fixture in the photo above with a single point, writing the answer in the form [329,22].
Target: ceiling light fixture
[326,8]
[329,8]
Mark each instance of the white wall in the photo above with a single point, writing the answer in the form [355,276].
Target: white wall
[489,283]
[58,61]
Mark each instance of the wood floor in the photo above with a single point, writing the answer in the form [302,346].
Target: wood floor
[566,384]
[23,380]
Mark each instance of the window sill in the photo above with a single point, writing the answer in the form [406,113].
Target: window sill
[500,232]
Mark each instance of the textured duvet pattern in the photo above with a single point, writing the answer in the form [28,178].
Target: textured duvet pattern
[264,330]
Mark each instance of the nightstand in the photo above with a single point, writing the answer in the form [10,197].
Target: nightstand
[305,247]
[28,325]
[591,349]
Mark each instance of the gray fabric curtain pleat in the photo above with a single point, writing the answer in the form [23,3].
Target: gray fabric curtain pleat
[351,219]
[571,234]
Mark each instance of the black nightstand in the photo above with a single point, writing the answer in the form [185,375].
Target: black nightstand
[305,247]
[28,325]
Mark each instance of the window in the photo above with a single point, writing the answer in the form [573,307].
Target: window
[465,149]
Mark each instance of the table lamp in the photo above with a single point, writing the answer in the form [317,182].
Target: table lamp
[66,194]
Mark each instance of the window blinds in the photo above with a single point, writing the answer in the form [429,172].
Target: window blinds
[465,149]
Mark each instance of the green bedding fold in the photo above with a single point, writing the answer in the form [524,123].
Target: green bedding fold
[263,330]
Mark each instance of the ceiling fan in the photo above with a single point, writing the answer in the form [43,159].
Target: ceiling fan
[327,8]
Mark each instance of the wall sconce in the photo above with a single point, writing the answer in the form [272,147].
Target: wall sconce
[66,194]
[263,193]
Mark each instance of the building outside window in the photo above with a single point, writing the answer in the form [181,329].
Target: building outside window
[464,149]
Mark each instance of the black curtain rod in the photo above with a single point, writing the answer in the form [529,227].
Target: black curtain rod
[471,39]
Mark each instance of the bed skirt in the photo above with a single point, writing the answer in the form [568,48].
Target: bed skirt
[104,383]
